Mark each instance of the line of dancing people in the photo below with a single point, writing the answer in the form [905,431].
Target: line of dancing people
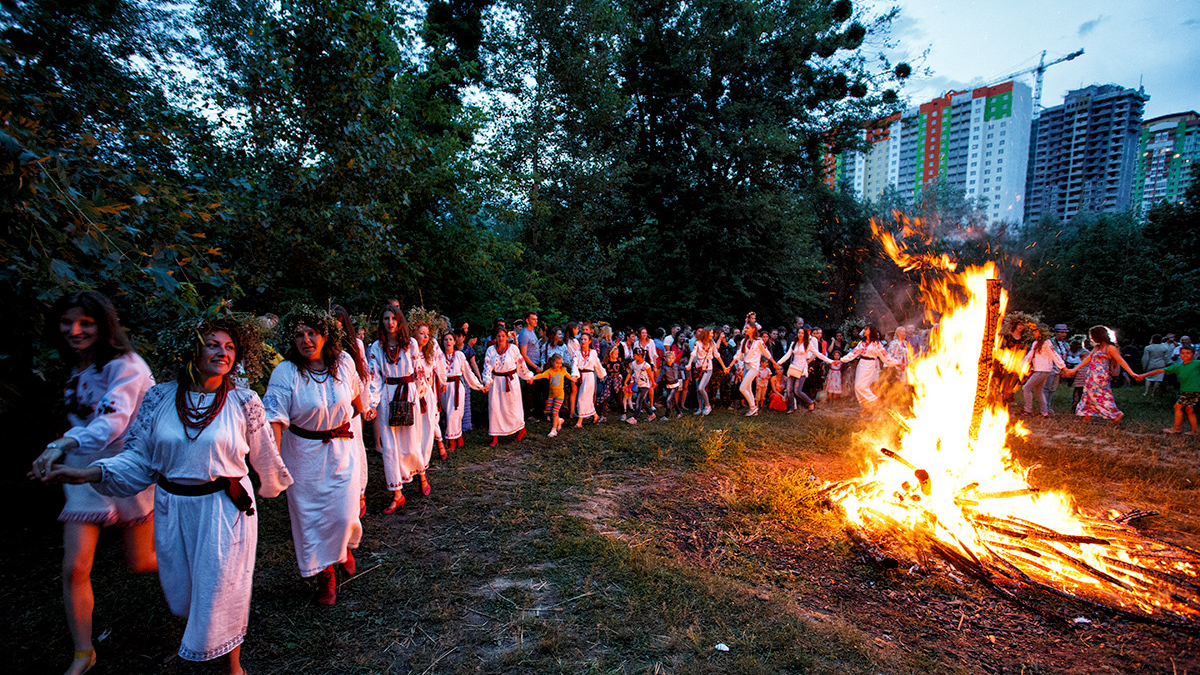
[169,461]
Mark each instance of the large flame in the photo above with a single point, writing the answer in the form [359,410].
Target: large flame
[957,490]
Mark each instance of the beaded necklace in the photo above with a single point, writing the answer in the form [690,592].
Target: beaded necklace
[197,417]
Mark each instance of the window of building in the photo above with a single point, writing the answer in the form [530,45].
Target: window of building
[990,144]
[990,135]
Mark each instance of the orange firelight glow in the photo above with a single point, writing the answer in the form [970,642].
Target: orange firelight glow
[963,495]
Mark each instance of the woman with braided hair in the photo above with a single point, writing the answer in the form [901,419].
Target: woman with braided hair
[193,437]
[311,400]
[393,359]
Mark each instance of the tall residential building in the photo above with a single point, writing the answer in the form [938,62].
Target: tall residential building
[1168,148]
[976,140]
[1083,153]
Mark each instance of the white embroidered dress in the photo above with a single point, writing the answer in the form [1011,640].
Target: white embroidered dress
[430,376]
[868,368]
[585,401]
[101,404]
[454,396]
[401,446]
[323,502]
[205,545]
[505,414]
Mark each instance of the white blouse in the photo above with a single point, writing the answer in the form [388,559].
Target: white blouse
[158,446]
[294,397]
[101,404]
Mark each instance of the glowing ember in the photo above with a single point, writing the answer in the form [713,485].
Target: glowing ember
[951,485]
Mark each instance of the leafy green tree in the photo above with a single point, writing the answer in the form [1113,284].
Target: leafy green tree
[696,132]
[96,185]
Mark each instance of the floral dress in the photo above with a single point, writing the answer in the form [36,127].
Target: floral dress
[1097,388]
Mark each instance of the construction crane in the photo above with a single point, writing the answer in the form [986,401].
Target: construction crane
[1039,70]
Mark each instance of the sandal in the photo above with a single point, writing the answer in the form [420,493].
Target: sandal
[442,450]
[1171,431]
[425,487]
[90,655]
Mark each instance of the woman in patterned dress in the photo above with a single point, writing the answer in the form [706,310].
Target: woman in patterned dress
[1097,387]
[106,388]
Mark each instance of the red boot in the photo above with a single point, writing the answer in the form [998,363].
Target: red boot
[349,566]
[326,587]
[521,434]
[495,442]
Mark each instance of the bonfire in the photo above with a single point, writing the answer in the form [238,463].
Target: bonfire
[950,486]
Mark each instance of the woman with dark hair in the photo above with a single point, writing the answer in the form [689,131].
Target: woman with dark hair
[108,381]
[1097,387]
[501,365]
[193,436]
[454,397]
[751,353]
[394,358]
[702,358]
[801,353]
[431,375]
[871,351]
[571,363]
[1044,359]
[588,372]
[354,347]
[312,397]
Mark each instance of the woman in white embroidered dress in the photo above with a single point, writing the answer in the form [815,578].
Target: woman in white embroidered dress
[703,353]
[431,374]
[459,376]
[354,347]
[501,366]
[193,437]
[311,399]
[750,354]
[393,360]
[803,351]
[107,384]
[871,351]
[587,371]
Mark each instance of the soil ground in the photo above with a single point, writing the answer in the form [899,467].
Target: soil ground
[642,549]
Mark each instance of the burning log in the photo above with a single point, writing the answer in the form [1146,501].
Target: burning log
[986,356]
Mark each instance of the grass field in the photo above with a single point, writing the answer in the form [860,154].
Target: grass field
[639,549]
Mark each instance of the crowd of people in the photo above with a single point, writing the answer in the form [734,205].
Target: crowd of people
[1090,364]
[175,453]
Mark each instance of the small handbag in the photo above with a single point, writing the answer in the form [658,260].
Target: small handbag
[400,410]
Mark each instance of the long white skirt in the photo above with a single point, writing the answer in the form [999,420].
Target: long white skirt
[427,420]
[323,502]
[585,399]
[356,426]
[454,404]
[401,446]
[864,376]
[505,413]
[206,553]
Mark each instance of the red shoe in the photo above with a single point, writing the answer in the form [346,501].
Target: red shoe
[495,442]
[425,488]
[521,434]
[349,566]
[460,441]
[442,450]
[397,502]
[326,587]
